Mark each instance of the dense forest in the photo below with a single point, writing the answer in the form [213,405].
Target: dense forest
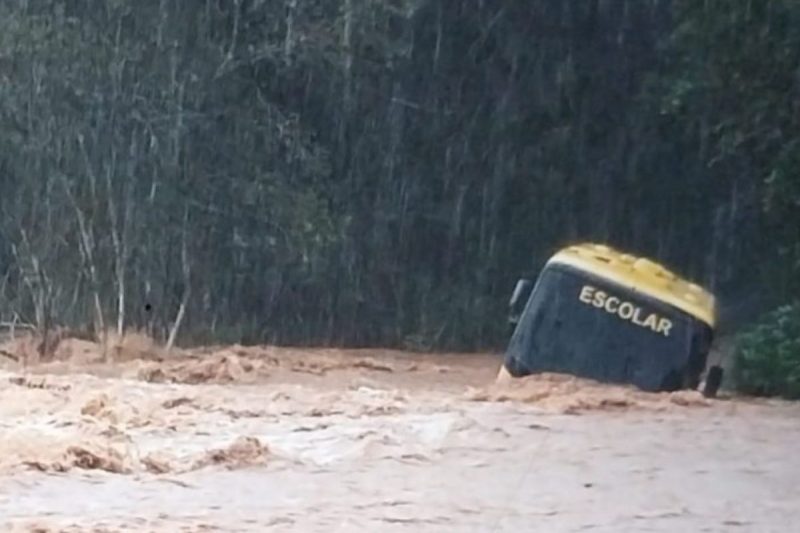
[364,172]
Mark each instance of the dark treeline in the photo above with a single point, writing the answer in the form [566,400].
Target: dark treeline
[381,171]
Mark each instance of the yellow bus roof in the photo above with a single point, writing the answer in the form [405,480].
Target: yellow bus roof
[642,275]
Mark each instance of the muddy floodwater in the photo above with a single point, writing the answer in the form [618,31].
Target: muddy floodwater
[268,439]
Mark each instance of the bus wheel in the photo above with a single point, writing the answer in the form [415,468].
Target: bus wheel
[713,381]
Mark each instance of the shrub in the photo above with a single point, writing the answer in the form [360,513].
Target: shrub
[767,357]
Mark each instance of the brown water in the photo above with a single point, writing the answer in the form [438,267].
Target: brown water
[264,439]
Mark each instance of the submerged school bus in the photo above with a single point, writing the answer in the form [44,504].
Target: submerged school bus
[598,313]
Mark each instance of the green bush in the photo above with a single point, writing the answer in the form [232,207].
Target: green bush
[767,357]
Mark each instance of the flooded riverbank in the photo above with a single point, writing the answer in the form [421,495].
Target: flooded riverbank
[268,439]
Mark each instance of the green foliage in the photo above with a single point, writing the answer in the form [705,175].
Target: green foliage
[767,358]
[371,172]
[732,90]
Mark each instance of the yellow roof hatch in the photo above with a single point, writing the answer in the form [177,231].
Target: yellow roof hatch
[642,275]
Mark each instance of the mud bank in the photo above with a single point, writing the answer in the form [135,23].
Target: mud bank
[265,439]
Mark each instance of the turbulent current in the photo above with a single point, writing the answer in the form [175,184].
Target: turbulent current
[267,439]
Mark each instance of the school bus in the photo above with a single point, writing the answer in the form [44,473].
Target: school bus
[600,313]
